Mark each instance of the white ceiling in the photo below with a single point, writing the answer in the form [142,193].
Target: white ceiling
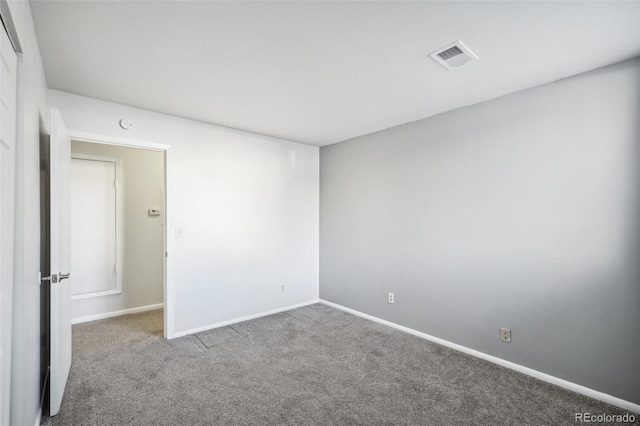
[321,72]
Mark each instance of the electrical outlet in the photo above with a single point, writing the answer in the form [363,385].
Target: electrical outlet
[505,335]
[391,298]
[282,288]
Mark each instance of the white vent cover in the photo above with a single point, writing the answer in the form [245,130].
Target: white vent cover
[454,55]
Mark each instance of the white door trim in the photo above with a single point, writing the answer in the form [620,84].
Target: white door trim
[119,224]
[81,136]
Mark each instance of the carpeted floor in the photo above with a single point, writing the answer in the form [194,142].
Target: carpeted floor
[310,366]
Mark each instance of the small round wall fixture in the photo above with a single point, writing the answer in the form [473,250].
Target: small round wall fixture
[126,124]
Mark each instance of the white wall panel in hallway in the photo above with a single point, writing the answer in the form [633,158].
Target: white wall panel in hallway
[93,229]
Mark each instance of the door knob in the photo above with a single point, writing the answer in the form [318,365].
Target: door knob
[53,278]
[62,276]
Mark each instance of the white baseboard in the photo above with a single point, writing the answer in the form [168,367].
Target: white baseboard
[117,313]
[609,399]
[241,319]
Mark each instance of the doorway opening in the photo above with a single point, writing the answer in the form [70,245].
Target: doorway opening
[117,230]
[118,227]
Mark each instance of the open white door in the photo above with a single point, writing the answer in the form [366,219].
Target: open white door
[60,164]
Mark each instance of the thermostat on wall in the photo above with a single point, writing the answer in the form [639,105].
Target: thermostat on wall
[154,212]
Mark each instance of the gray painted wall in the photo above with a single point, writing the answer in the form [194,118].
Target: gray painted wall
[520,212]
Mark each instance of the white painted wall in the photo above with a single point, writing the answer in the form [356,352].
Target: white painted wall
[248,204]
[32,107]
[142,183]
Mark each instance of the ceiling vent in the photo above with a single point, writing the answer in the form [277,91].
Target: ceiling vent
[454,55]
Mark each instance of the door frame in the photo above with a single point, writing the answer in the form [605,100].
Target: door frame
[9,222]
[82,136]
[119,213]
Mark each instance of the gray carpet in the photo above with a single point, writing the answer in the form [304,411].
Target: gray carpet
[310,366]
